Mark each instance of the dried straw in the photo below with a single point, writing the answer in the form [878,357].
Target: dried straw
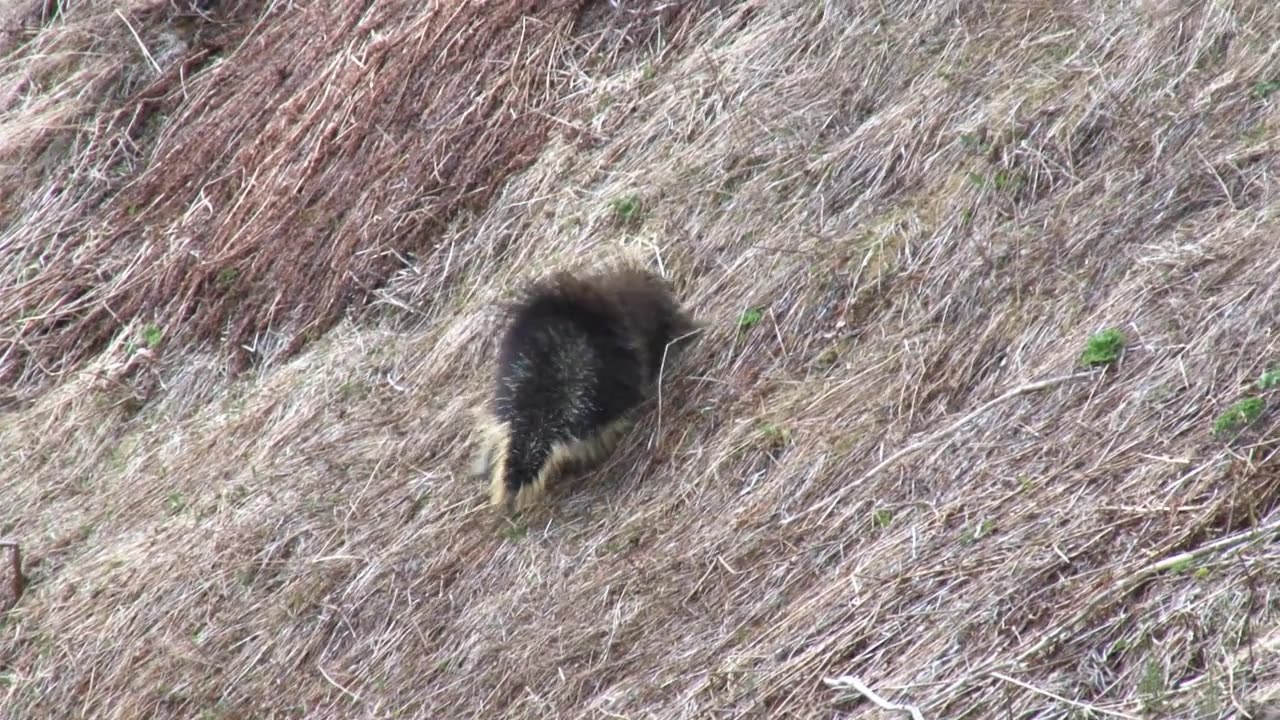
[892,216]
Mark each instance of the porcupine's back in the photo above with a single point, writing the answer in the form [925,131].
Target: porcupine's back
[653,316]
[568,366]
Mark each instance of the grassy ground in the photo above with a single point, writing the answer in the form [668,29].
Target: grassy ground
[249,256]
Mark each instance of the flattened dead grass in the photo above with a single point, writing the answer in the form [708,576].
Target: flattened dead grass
[260,198]
[882,461]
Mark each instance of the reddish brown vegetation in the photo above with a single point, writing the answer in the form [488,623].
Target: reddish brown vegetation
[282,186]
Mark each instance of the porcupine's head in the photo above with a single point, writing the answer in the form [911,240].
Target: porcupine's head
[655,319]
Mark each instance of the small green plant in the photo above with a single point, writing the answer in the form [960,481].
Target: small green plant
[152,335]
[882,517]
[1201,573]
[1152,685]
[775,436]
[844,444]
[626,209]
[1103,348]
[44,645]
[1256,134]
[979,531]
[1239,416]
[750,318]
[1214,696]
[237,494]
[1264,88]
[975,144]
[1008,180]
[353,390]
[217,712]
[827,358]
[226,279]
[515,533]
[1270,379]
[175,502]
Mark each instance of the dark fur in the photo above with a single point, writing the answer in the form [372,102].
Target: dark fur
[579,353]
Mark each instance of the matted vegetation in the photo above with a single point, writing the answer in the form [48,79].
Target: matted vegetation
[248,260]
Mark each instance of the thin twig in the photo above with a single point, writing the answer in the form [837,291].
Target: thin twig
[338,685]
[1059,698]
[939,436]
[1115,593]
[138,39]
[662,366]
[849,682]
[1126,585]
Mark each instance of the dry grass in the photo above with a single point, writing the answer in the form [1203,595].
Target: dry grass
[926,207]
[257,200]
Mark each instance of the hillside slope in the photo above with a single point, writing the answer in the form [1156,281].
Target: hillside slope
[250,254]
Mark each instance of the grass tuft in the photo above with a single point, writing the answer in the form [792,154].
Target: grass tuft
[152,335]
[750,318]
[1270,379]
[626,209]
[1239,416]
[1103,347]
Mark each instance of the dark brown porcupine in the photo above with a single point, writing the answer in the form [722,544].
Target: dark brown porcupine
[579,354]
